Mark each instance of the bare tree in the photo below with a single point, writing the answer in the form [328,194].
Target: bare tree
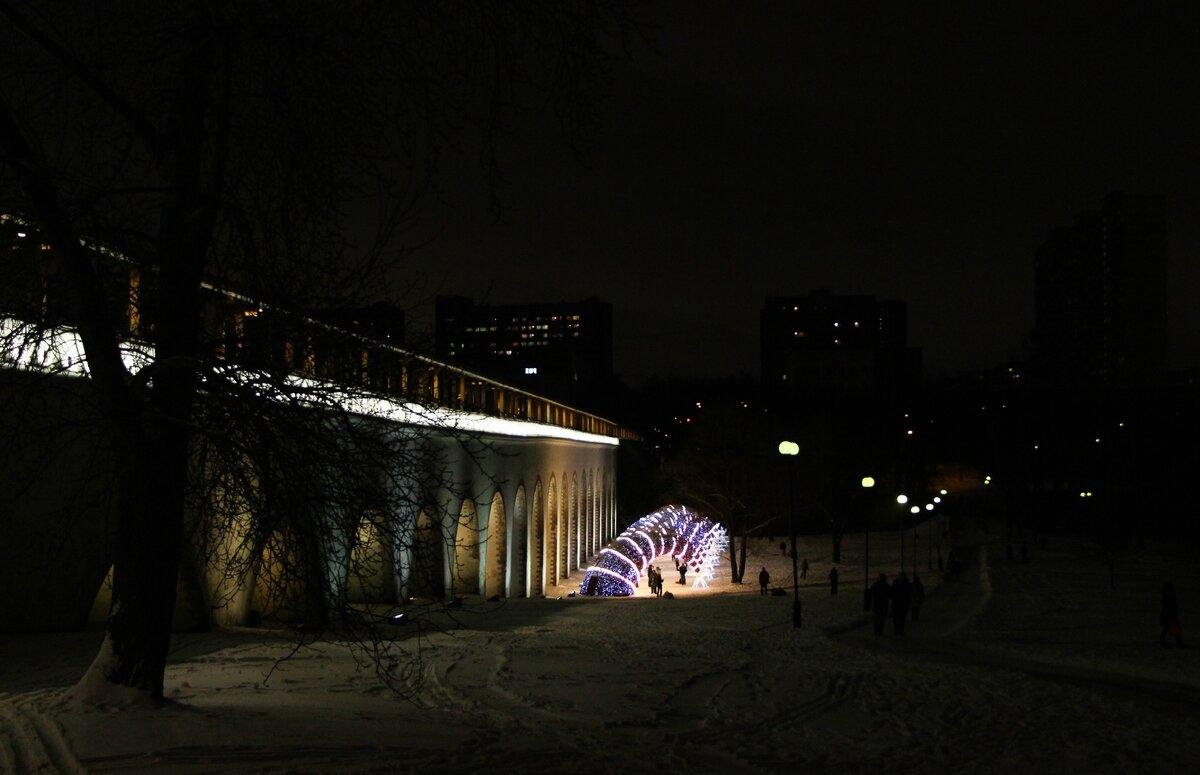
[725,470]
[278,149]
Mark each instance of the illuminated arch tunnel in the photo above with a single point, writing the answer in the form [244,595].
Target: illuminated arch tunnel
[676,531]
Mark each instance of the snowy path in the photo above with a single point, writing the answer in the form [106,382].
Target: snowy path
[715,680]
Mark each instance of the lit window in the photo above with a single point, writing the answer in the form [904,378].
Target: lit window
[531,369]
[837,324]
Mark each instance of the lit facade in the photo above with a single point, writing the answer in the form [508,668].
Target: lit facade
[561,350]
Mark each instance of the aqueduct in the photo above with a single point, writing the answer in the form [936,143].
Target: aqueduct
[516,515]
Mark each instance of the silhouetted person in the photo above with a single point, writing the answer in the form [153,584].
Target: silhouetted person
[783,548]
[901,598]
[880,594]
[1169,618]
[918,596]
[683,573]
[833,574]
[804,568]
[764,580]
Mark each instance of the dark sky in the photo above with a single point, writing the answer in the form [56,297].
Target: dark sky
[916,152]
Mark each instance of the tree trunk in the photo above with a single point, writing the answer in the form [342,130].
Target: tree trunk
[742,561]
[151,497]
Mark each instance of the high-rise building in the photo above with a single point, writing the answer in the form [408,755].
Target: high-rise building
[561,350]
[828,346]
[1101,295]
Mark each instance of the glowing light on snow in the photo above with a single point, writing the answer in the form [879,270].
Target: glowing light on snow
[691,538]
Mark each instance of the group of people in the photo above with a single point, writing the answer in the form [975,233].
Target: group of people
[901,597]
[655,578]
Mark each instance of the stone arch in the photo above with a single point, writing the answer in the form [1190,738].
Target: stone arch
[518,573]
[465,573]
[552,568]
[564,532]
[370,575]
[576,524]
[425,576]
[497,539]
[283,588]
[590,512]
[537,541]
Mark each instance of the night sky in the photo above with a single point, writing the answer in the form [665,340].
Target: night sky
[770,148]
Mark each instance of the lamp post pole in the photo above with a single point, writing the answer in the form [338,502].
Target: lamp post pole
[790,449]
[867,482]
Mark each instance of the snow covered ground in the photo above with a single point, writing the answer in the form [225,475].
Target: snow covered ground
[1036,665]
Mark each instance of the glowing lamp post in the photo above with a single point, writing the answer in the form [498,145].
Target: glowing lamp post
[867,483]
[790,450]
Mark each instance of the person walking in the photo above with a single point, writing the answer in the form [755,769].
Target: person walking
[833,576]
[764,580]
[880,594]
[918,596]
[901,598]
[655,580]
[1169,616]
[804,568]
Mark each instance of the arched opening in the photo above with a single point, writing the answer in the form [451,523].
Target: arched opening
[497,538]
[537,542]
[564,529]
[576,521]
[427,579]
[552,568]
[466,550]
[518,577]
[589,507]
[605,532]
[281,581]
[370,576]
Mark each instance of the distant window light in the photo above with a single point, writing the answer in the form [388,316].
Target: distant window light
[856,324]
[531,369]
[837,324]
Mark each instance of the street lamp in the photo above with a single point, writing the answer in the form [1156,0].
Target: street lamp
[790,450]
[867,483]
[902,499]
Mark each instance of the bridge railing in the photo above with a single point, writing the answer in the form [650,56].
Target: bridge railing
[248,332]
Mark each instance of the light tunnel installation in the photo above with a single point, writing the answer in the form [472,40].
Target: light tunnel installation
[677,531]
